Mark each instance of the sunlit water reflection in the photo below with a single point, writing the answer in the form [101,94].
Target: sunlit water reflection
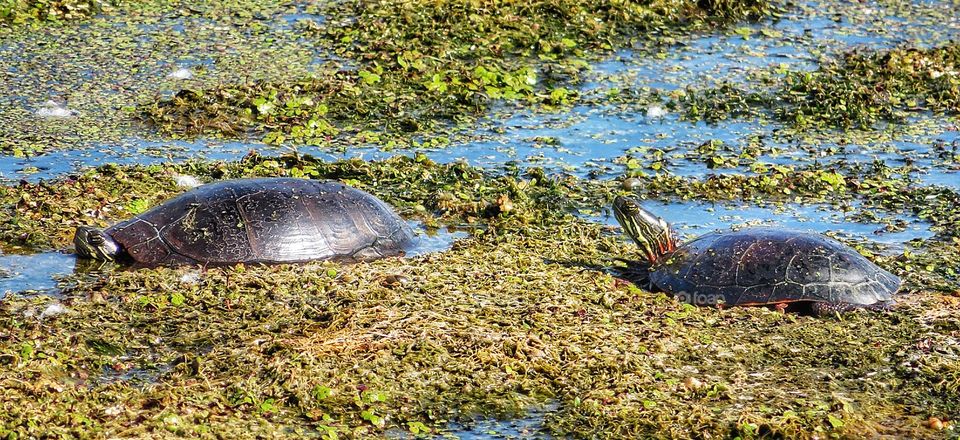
[35,273]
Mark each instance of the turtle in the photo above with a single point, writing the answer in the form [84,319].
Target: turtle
[756,266]
[258,220]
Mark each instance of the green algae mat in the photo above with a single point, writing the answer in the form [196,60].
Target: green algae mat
[532,314]
[528,311]
[326,73]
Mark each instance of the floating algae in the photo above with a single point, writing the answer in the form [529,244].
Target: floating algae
[525,309]
[522,313]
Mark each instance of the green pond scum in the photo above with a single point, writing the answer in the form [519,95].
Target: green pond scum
[857,90]
[346,73]
[19,12]
[432,66]
[102,66]
[533,310]
[528,311]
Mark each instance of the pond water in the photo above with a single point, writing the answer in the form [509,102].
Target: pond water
[692,219]
[585,141]
[529,427]
[34,273]
[796,41]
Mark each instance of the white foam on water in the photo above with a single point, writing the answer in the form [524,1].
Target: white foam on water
[52,310]
[181,73]
[655,111]
[53,109]
[186,181]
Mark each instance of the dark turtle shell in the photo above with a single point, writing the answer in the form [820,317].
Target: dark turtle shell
[771,266]
[270,220]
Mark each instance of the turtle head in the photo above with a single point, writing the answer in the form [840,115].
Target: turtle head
[651,233]
[94,243]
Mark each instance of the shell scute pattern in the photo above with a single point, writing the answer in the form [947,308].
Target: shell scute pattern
[766,266]
[264,220]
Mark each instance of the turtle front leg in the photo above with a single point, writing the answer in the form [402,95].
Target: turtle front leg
[636,273]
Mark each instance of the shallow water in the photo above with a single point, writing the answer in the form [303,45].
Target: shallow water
[584,141]
[434,240]
[795,41]
[529,427]
[34,273]
[588,138]
[132,151]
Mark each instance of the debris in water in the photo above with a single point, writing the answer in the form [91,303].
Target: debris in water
[190,277]
[186,181]
[53,310]
[655,111]
[54,109]
[113,411]
[936,423]
[692,383]
[181,73]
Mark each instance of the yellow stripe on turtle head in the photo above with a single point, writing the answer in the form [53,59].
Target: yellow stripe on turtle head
[651,233]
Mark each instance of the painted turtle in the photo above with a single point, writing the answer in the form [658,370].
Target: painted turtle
[756,266]
[269,220]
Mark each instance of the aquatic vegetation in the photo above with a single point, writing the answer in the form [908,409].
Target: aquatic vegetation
[861,89]
[523,313]
[855,91]
[717,104]
[104,65]
[420,66]
[45,214]
[314,110]
[530,310]
[551,29]
[26,11]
